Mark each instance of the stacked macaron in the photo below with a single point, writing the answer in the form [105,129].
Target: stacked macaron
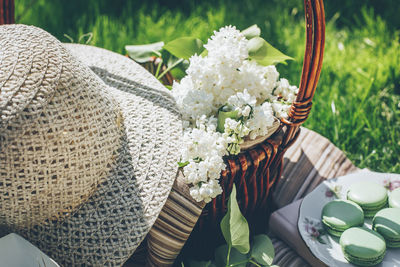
[345,219]
[387,223]
[362,246]
[394,198]
[340,215]
[371,197]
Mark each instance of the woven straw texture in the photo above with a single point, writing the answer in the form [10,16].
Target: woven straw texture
[55,149]
[87,161]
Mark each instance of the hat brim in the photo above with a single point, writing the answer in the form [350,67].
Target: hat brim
[107,228]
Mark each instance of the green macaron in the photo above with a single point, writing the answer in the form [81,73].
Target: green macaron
[371,197]
[387,223]
[394,198]
[339,215]
[362,246]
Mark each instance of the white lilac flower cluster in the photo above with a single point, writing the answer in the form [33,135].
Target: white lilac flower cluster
[225,80]
[203,149]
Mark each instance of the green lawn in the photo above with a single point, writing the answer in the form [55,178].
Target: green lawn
[357,103]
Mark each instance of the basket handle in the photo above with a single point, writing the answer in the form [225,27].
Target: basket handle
[6,12]
[315,43]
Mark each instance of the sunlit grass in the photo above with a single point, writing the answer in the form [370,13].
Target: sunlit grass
[357,101]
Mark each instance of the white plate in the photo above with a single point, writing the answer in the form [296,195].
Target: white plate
[15,251]
[323,246]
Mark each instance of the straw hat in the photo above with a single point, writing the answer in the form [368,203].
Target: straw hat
[87,155]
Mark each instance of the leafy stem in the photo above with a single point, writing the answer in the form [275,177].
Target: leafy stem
[159,68]
[228,256]
[255,263]
[169,68]
[238,263]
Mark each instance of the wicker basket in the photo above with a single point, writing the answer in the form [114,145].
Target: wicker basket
[7,12]
[258,167]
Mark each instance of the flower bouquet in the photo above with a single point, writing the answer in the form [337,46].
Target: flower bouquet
[239,116]
[227,99]
[231,99]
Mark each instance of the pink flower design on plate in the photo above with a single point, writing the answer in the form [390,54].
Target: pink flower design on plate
[333,191]
[315,230]
[391,184]
[312,231]
[329,193]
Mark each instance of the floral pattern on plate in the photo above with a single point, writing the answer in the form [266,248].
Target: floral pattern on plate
[391,184]
[315,230]
[309,223]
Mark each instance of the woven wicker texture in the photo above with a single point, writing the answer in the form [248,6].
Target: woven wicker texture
[98,154]
[6,11]
[256,171]
[251,166]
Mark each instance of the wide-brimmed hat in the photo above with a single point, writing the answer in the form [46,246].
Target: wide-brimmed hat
[88,147]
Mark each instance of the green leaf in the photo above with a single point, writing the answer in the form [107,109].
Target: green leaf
[264,53]
[234,226]
[251,32]
[262,250]
[235,256]
[222,116]
[184,47]
[182,164]
[193,263]
[178,73]
[142,53]
[204,53]
[169,68]
[170,59]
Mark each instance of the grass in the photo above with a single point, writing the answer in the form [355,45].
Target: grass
[357,103]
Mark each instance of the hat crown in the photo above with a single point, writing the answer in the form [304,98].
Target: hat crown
[59,128]
[30,69]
